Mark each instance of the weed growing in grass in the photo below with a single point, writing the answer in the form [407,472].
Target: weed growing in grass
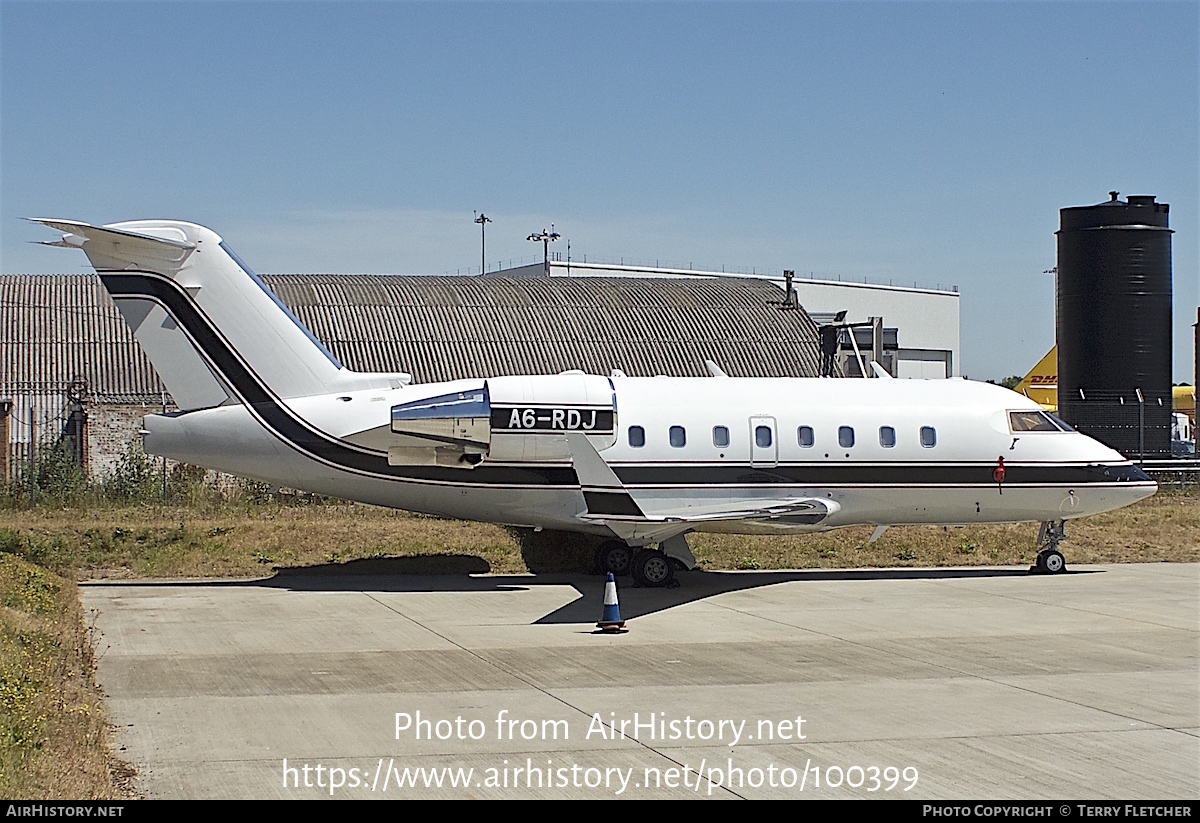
[51,552]
[136,479]
[60,479]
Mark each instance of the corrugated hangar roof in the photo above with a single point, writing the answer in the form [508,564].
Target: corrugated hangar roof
[55,328]
[59,327]
[442,328]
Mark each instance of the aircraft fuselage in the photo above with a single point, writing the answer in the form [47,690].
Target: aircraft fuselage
[885,452]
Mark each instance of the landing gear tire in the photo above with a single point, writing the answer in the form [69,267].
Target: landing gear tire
[614,556]
[652,569]
[1051,561]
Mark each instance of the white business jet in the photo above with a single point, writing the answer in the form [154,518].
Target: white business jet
[644,461]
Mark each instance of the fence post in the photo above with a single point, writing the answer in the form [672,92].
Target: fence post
[5,446]
[32,479]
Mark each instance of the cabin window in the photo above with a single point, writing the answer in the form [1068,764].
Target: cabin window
[887,437]
[637,436]
[1031,421]
[804,436]
[720,437]
[928,437]
[762,436]
[678,437]
[845,436]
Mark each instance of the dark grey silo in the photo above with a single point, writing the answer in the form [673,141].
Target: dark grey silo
[1114,323]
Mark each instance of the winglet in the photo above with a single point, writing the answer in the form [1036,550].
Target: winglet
[603,491]
[593,472]
[714,369]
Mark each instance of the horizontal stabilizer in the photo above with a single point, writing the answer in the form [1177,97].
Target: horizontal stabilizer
[154,247]
[90,232]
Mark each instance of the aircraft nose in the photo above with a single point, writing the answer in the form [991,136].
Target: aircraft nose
[1126,473]
[1140,484]
[1136,475]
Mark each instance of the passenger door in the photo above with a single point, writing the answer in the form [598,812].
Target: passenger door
[764,442]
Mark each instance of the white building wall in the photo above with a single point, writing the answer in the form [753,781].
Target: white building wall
[924,318]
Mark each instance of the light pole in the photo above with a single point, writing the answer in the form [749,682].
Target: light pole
[482,220]
[545,237]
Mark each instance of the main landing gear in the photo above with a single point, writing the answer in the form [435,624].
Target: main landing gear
[650,568]
[614,556]
[1049,559]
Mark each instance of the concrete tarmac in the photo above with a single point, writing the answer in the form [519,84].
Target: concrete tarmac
[980,683]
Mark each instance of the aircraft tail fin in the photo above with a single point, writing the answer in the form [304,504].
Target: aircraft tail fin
[211,327]
[1041,384]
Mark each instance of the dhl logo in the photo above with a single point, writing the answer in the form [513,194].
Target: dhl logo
[1044,380]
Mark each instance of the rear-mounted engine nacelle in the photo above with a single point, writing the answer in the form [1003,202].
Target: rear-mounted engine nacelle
[514,419]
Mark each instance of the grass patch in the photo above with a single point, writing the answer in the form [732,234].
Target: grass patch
[1163,528]
[53,726]
[256,538]
[143,541]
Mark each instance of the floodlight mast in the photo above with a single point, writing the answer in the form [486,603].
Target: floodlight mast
[482,220]
[545,237]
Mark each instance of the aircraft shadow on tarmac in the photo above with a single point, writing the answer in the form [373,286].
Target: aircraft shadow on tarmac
[466,573]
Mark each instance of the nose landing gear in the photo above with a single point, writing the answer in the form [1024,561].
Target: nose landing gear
[1049,559]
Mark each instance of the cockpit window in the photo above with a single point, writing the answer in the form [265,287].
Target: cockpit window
[1058,422]
[1032,421]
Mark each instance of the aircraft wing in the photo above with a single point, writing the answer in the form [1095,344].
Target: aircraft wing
[631,515]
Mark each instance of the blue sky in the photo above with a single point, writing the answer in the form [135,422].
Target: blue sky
[926,142]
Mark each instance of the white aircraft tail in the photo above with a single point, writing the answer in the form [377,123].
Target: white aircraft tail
[213,330]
